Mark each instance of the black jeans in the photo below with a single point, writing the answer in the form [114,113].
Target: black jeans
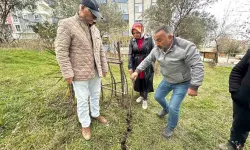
[240,126]
[144,94]
[143,89]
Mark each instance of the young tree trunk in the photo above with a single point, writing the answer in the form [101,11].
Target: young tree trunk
[228,55]
[217,52]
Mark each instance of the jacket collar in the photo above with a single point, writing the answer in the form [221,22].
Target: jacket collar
[170,48]
[145,37]
[172,44]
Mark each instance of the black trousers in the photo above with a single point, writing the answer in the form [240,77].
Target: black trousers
[143,89]
[240,126]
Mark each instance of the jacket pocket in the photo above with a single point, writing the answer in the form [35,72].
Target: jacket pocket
[175,77]
[239,98]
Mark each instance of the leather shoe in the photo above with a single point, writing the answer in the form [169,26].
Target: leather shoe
[102,120]
[86,133]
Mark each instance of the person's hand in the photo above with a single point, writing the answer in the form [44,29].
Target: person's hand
[69,80]
[133,76]
[192,92]
[130,71]
[104,74]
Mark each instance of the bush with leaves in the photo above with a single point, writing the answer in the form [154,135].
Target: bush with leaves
[186,17]
[47,32]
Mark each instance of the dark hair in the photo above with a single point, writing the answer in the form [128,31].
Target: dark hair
[165,28]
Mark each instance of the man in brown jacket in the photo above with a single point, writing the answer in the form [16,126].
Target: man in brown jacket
[82,60]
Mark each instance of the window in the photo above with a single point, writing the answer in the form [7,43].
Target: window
[27,27]
[138,1]
[138,8]
[120,1]
[123,7]
[15,19]
[139,21]
[125,16]
[25,17]
[101,1]
[153,2]
[18,28]
[9,27]
[54,20]
[36,16]
[138,16]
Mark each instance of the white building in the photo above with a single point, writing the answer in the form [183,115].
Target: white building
[136,10]
[132,9]
[20,21]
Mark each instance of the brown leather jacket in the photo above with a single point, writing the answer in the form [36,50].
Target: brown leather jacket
[75,53]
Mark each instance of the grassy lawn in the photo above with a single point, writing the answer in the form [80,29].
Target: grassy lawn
[35,112]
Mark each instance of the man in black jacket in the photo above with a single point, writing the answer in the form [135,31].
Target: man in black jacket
[239,87]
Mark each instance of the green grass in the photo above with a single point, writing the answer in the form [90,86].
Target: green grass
[36,114]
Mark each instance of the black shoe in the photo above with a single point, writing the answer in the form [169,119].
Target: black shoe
[230,146]
[226,146]
[162,113]
[168,132]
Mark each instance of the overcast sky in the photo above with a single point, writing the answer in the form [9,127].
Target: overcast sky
[239,12]
[239,9]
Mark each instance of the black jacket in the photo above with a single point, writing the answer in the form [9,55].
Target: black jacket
[239,81]
[134,59]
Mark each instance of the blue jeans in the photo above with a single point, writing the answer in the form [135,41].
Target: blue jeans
[173,108]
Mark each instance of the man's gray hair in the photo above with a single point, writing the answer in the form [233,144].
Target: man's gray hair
[80,7]
[164,28]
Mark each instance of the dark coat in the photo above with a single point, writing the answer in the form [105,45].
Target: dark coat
[134,60]
[239,82]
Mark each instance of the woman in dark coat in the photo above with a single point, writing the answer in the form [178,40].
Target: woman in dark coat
[139,48]
[239,87]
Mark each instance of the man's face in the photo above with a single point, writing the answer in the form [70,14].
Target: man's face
[86,14]
[163,40]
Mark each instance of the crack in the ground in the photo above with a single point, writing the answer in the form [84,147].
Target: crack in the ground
[126,134]
[128,122]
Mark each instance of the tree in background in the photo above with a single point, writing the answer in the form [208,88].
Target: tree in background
[112,24]
[224,29]
[65,8]
[47,33]
[7,6]
[245,27]
[184,16]
[196,27]
[113,21]
[245,33]
[229,46]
